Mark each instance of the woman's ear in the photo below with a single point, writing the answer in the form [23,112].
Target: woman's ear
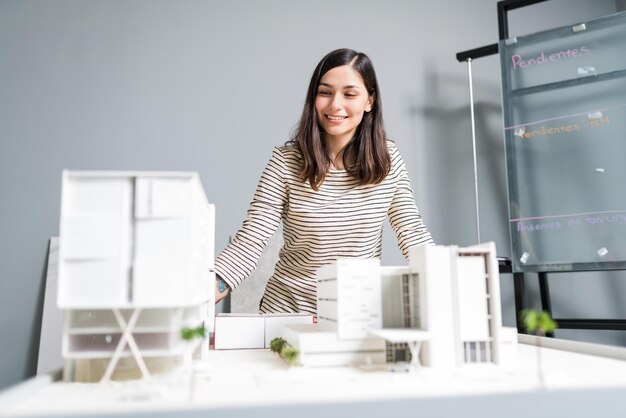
[370,103]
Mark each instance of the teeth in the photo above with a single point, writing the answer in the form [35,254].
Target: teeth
[336,117]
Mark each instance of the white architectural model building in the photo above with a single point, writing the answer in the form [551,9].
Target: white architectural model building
[459,304]
[447,299]
[135,267]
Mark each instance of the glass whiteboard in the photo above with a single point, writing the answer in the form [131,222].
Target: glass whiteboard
[564,108]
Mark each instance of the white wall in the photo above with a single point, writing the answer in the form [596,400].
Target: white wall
[212,86]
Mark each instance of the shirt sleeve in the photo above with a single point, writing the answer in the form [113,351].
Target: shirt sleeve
[404,216]
[242,254]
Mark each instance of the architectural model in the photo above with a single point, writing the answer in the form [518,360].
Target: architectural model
[241,330]
[135,267]
[446,302]
[459,304]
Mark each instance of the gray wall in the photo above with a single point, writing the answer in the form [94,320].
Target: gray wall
[212,86]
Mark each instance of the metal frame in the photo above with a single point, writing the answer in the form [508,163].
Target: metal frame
[504,7]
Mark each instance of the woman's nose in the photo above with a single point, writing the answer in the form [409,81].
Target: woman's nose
[337,102]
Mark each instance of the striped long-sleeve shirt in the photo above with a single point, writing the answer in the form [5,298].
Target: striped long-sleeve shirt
[341,219]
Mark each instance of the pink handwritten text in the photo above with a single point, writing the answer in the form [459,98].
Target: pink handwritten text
[519,62]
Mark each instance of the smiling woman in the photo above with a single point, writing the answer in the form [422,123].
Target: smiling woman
[332,185]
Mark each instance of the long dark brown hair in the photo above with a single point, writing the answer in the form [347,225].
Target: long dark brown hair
[366,156]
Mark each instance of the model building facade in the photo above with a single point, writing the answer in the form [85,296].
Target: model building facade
[459,304]
[136,266]
[348,297]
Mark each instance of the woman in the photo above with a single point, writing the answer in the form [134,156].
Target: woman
[332,185]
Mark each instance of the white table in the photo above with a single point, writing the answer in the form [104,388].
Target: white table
[256,383]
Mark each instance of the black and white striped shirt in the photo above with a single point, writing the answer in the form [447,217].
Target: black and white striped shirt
[341,219]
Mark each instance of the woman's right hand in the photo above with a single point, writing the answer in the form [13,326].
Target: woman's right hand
[221,290]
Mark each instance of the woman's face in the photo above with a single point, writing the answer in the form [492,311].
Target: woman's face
[340,103]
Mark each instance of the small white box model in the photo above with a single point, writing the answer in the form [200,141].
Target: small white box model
[236,331]
[136,256]
[349,297]
[243,331]
[320,348]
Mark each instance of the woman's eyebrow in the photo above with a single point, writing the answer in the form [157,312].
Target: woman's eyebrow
[349,86]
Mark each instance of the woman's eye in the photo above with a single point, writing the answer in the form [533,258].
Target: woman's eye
[323,93]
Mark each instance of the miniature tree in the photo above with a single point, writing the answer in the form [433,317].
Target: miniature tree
[190,334]
[538,323]
[277,344]
[284,350]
